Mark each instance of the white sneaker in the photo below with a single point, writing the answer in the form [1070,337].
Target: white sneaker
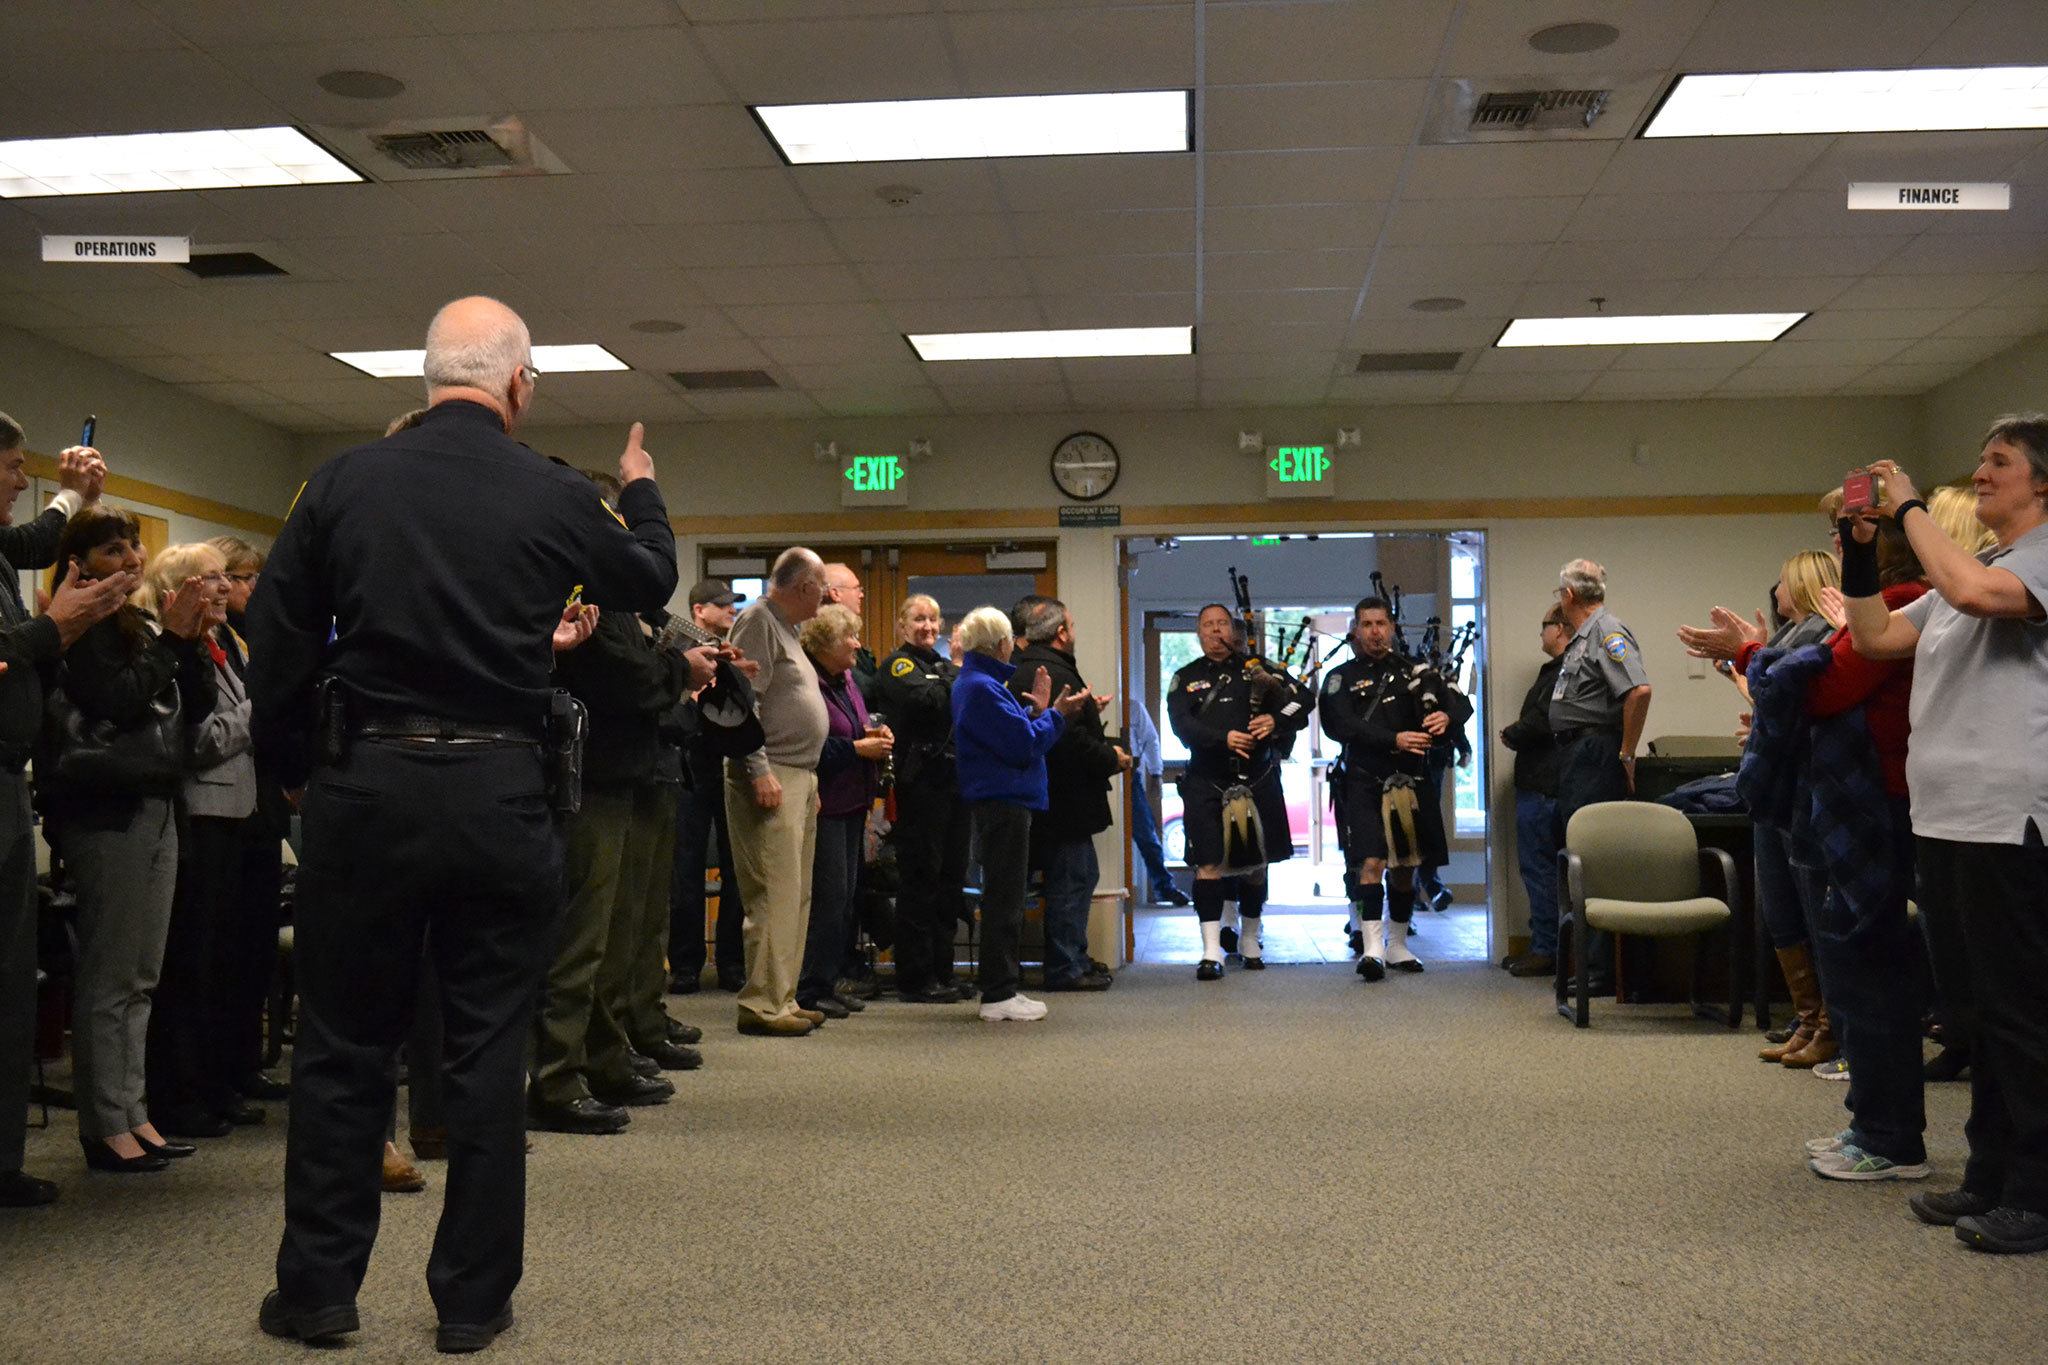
[1017,1009]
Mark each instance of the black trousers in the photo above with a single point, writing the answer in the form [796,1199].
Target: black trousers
[189,1065]
[835,879]
[17,966]
[931,837]
[411,848]
[1985,909]
[700,815]
[1002,845]
[249,945]
[1590,771]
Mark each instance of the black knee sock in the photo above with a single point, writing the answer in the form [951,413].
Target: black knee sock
[1208,898]
[1401,904]
[1251,896]
[1370,896]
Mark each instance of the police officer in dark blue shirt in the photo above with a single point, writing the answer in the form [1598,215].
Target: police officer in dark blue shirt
[439,562]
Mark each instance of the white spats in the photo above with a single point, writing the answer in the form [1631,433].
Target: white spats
[1212,941]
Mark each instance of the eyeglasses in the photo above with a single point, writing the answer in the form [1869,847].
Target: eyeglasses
[532,372]
[213,579]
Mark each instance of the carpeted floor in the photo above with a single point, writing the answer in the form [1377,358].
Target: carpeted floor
[1278,1167]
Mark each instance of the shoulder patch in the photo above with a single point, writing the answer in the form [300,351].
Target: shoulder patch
[614,511]
[1616,644]
[902,668]
[1333,683]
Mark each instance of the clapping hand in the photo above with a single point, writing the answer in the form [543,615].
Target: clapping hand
[80,469]
[1725,638]
[1833,609]
[1068,701]
[1040,695]
[82,603]
[183,610]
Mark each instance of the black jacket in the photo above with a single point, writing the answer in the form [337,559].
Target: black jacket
[27,644]
[1367,704]
[1536,753]
[1080,763]
[912,694]
[1208,698]
[628,686]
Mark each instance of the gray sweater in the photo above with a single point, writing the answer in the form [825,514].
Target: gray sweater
[786,694]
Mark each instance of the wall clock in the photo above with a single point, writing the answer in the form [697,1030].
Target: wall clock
[1085,466]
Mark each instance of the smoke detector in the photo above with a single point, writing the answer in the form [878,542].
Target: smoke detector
[897,196]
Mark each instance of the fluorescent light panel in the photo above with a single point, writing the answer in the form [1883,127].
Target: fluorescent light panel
[1068,344]
[1928,99]
[1679,329]
[995,126]
[144,163]
[582,358]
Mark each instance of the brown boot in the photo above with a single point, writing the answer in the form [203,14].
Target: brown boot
[1820,1048]
[1796,963]
[400,1175]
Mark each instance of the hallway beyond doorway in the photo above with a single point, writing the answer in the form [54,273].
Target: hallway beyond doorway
[1304,934]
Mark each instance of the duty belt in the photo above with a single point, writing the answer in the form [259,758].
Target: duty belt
[1578,732]
[440,729]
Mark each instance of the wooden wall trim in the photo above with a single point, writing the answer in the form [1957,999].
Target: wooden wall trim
[121,488]
[1463,511]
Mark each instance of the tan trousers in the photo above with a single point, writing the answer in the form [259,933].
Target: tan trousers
[771,852]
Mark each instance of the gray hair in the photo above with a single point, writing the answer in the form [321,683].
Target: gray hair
[2027,430]
[11,434]
[793,566]
[462,354]
[984,631]
[1043,619]
[1585,580]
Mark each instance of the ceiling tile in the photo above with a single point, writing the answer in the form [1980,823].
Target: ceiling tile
[985,314]
[1240,337]
[1874,324]
[1663,217]
[1626,260]
[953,374]
[178,369]
[1815,214]
[1272,118]
[1394,388]
[654,138]
[799,320]
[836,350]
[1951,350]
[1758,35]
[737,196]
[812,60]
[1493,35]
[1088,233]
[1737,165]
[1504,170]
[591,68]
[1995,321]
[1780,294]
[780,284]
[1001,277]
[1795,352]
[1411,331]
[1462,222]
[1720,359]
[884,402]
[910,240]
[1449,269]
[1804,379]
[1652,384]
[1273,365]
[1006,397]
[436,80]
[1264,393]
[1290,227]
[789,241]
[1574,298]
[1281,305]
[1523,388]
[1261,43]
[1318,177]
[943,189]
[1074,50]
[905,373]
[748,403]
[1918,291]
[1147,369]
[1167,395]
[1149,181]
[1122,310]
[1229,272]
[1980,155]
[1947,254]
[1545,359]
[1751,256]
[1110,274]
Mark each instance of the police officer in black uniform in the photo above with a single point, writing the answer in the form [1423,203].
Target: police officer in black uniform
[1236,713]
[439,560]
[913,691]
[1387,710]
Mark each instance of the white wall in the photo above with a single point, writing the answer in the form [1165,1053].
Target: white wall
[1958,412]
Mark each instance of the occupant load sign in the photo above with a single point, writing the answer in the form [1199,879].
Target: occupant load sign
[119,250]
[1935,196]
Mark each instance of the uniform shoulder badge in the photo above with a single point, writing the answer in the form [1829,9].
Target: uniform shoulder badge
[902,668]
[614,512]
[1616,644]
[1335,682]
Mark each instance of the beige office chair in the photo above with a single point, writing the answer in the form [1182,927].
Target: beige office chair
[1635,867]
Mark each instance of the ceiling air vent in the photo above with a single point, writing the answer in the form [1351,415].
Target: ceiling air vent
[473,147]
[223,265]
[1409,362]
[1539,110]
[724,379]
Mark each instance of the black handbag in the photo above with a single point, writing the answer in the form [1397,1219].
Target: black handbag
[81,754]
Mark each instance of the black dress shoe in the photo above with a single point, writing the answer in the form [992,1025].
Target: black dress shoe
[1946,1065]
[257,1086]
[1208,970]
[826,1005]
[1255,964]
[731,981]
[244,1115]
[851,988]
[1174,896]
[172,1150]
[195,1123]
[852,1004]
[22,1191]
[588,1116]
[642,1064]
[675,1057]
[1371,968]
[637,1092]
[930,995]
[684,985]
[679,1032]
[100,1157]
[314,1326]
[460,1338]
[1090,980]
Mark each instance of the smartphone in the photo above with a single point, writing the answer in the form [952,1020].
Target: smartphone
[1861,491]
[92,425]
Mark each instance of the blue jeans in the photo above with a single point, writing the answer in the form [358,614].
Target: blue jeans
[1536,851]
[1872,974]
[1145,836]
[1785,896]
[1070,873]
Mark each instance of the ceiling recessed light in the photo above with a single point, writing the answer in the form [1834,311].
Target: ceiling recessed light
[362,85]
[994,126]
[1438,303]
[1072,343]
[656,326]
[576,359]
[1928,99]
[1566,39]
[1675,329]
[144,163]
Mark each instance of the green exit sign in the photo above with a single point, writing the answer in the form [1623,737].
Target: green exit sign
[1300,472]
[873,481]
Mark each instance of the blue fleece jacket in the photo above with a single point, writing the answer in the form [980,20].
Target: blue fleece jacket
[1001,745]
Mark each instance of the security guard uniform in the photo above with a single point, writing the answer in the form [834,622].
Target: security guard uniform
[912,694]
[1388,809]
[1205,701]
[439,560]
[1600,666]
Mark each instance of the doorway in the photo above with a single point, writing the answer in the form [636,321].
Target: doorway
[1303,587]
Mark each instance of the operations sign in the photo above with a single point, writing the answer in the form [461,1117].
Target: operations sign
[118,250]
[1300,472]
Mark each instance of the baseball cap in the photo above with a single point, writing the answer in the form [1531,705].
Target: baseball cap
[713,592]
